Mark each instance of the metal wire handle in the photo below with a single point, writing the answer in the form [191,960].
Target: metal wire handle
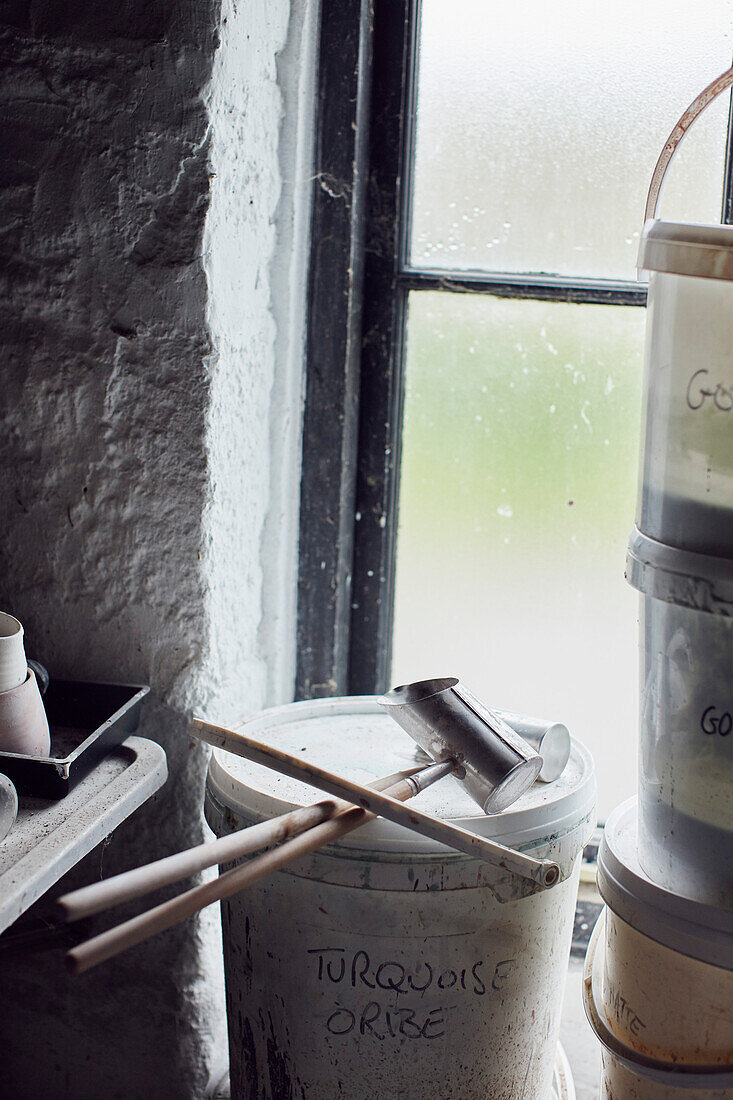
[698,105]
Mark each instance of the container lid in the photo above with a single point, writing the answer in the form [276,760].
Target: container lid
[702,582]
[703,932]
[704,251]
[353,736]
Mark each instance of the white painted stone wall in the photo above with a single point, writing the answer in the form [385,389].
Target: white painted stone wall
[153,239]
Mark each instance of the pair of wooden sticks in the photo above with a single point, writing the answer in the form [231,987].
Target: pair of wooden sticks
[541,872]
[296,833]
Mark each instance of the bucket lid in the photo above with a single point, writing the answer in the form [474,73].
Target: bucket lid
[352,736]
[704,251]
[702,582]
[703,932]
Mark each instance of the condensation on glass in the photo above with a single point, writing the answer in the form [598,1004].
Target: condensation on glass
[539,124]
[517,491]
[537,129]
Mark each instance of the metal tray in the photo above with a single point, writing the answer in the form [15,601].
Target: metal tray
[86,721]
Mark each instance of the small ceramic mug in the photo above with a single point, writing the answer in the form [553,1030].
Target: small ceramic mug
[23,721]
[13,665]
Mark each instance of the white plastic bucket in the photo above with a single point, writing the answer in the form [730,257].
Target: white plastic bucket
[685,836]
[627,1074]
[662,1003]
[659,982]
[387,965]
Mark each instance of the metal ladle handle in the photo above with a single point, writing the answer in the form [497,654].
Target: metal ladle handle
[698,105]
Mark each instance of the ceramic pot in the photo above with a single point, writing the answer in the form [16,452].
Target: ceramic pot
[8,806]
[23,722]
[13,665]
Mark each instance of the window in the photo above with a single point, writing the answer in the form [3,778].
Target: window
[474,349]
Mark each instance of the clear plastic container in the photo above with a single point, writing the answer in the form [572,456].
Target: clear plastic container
[686,759]
[686,720]
[686,484]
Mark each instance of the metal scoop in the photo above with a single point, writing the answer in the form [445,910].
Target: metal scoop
[550,739]
[446,720]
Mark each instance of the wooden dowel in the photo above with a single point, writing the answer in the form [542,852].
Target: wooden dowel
[99,896]
[134,931]
[543,872]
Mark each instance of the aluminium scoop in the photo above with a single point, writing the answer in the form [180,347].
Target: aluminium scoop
[495,764]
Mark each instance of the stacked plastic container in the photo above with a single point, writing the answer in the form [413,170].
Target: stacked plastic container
[680,559]
[659,970]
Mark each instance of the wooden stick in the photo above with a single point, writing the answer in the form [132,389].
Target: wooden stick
[99,896]
[115,940]
[544,872]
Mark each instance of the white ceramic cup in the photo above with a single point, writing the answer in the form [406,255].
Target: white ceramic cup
[13,664]
[23,721]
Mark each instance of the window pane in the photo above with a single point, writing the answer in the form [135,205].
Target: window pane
[517,494]
[539,124]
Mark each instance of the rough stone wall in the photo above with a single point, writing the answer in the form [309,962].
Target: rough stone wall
[104,192]
[139,190]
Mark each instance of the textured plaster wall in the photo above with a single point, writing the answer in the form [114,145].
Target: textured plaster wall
[296,75]
[255,261]
[149,257]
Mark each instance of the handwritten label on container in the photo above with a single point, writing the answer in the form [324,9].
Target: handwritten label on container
[703,391]
[623,1010]
[358,971]
[714,721]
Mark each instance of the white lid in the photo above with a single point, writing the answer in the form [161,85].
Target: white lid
[701,582]
[353,737]
[703,932]
[704,251]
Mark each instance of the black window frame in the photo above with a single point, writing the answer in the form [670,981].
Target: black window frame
[359,281]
